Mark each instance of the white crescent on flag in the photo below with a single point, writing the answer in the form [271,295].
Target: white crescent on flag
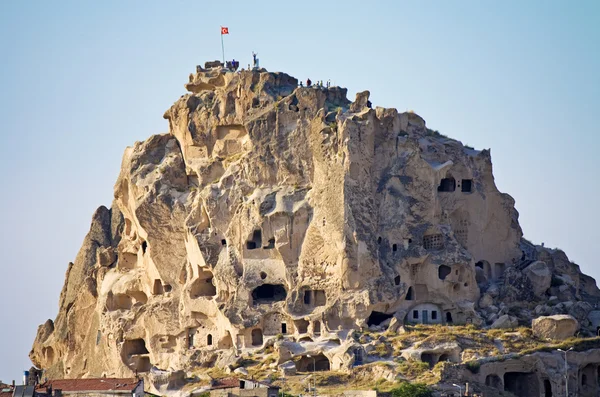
[224,30]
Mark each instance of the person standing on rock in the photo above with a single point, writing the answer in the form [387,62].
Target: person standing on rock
[308,82]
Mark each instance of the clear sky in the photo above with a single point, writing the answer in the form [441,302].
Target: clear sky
[81,80]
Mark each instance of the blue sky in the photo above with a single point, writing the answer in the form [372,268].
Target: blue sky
[80,81]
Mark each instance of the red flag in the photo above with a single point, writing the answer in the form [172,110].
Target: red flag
[224,30]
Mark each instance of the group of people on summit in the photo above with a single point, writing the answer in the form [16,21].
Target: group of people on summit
[319,84]
[234,66]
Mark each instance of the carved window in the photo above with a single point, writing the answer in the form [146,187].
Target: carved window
[466,186]
[447,185]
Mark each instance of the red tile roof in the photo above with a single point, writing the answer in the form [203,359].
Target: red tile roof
[225,383]
[95,384]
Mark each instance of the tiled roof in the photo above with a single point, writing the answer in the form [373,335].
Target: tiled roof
[6,393]
[225,383]
[95,384]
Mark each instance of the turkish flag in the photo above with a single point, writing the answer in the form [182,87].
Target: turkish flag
[224,30]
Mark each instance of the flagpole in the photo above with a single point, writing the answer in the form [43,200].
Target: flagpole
[222,46]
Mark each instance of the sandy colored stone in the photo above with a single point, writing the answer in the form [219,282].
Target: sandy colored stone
[285,216]
[540,276]
[288,368]
[530,375]
[557,327]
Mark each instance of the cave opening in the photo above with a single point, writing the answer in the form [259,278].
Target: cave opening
[256,240]
[270,245]
[444,271]
[157,288]
[429,358]
[268,293]
[521,384]
[466,186]
[547,388]
[301,326]
[447,185]
[494,381]
[135,347]
[307,297]
[203,285]
[377,318]
[257,337]
[313,363]
[317,327]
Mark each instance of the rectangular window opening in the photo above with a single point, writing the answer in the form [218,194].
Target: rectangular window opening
[466,186]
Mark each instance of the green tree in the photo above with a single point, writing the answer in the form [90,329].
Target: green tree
[412,390]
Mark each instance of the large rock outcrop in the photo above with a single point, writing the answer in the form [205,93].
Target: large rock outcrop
[540,276]
[275,211]
[558,327]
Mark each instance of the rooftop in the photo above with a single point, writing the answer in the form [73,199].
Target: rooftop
[94,384]
[227,383]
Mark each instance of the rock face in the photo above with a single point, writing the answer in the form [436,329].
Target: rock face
[540,276]
[505,321]
[275,211]
[537,374]
[558,327]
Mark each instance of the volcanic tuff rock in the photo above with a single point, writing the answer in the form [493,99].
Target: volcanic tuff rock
[271,211]
[536,374]
[559,327]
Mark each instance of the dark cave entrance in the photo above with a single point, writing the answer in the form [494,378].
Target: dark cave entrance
[521,384]
[268,293]
[377,318]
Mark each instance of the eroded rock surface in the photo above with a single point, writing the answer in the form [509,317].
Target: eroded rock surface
[272,212]
[558,327]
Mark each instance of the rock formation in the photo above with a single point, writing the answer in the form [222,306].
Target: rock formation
[559,327]
[286,215]
[538,374]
